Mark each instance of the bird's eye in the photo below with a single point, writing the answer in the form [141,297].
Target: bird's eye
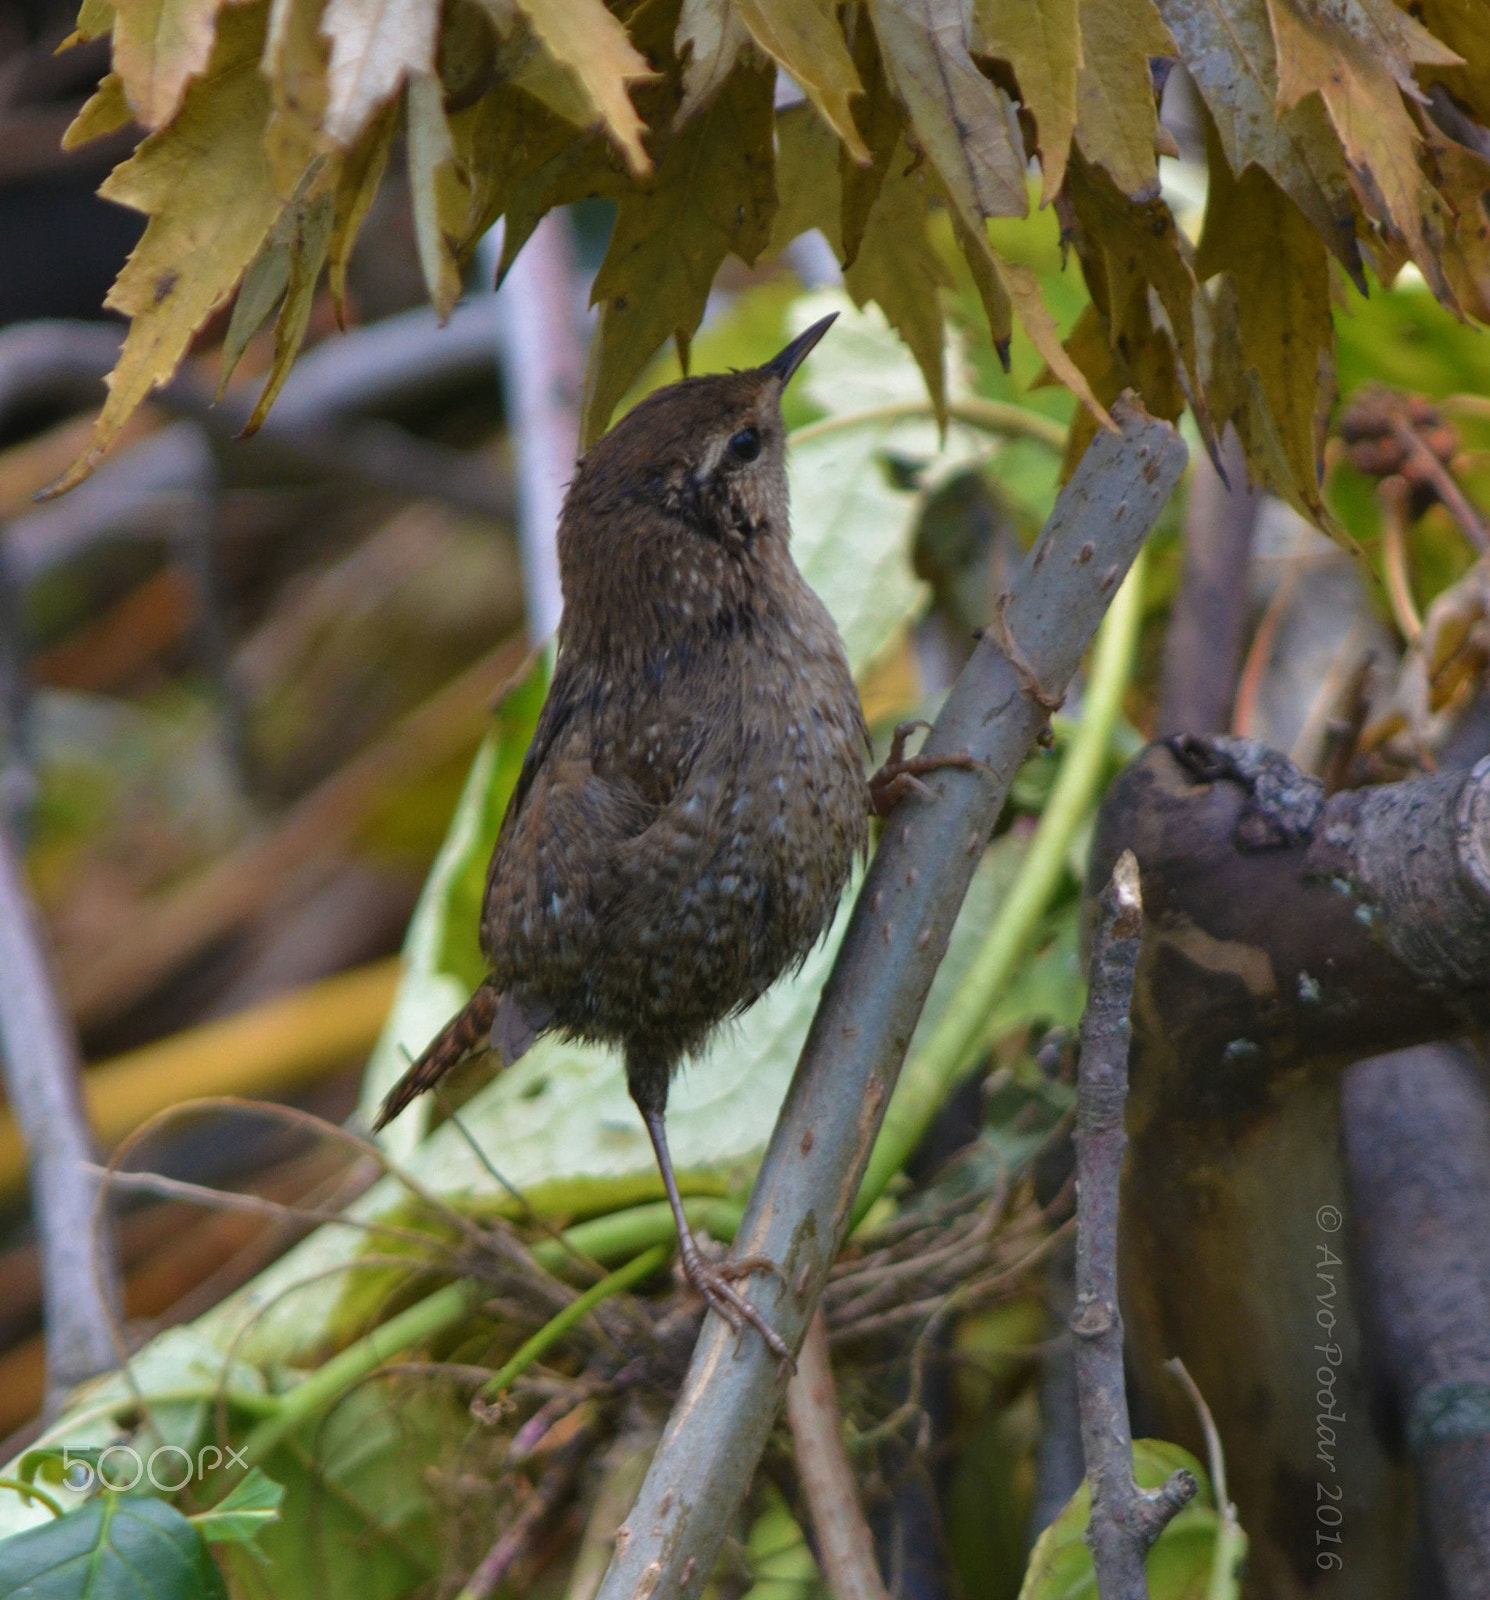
[746,444]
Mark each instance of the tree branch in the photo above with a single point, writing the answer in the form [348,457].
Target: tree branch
[896,937]
[1125,1519]
[1417,1147]
[41,1062]
[844,1542]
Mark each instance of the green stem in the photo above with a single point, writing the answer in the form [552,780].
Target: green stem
[432,1315]
[29,1491]
[617,1282]
[992,416]
[959,1038]
[601,1239]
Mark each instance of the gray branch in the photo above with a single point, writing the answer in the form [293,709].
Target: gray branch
[1416,1126]
[41,1062]
[1125,1519]
[845,1544]
[896,937]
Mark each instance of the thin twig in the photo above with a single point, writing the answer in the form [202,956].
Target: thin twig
[844,1543]
[1394,494]
[1125,1519]
[42,1064]
[553,1486]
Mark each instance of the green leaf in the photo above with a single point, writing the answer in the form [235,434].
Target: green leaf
[1180,1564]
[714,193]
[116,1547]
[241,1516]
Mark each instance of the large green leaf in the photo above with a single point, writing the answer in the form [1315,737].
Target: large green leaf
[1181,1565]
[116,1547]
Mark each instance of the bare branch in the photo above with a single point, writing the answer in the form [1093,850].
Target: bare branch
[41,1061]
[845,1545]
[896,937]
[1417,1141]
[1125,1519]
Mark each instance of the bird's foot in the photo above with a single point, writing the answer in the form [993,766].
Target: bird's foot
[713,1282]
[901,774]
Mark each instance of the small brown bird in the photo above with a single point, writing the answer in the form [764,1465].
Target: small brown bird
[694,797]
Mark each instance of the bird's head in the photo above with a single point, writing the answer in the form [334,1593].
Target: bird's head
[682,507]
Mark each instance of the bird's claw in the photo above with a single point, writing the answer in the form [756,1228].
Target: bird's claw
[713,1283]
[901,774]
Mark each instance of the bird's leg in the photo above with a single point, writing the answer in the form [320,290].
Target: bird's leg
[713,1282]
[901,774]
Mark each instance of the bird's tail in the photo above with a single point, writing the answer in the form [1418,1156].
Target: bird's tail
[466,1034]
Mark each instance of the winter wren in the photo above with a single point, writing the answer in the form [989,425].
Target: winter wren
[694,796]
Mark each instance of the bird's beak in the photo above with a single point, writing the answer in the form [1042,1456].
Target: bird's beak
[784,365]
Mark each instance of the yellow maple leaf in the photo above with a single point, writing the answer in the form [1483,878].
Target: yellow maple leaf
[431,168]
[898,268]
[712,193]
[880,121]
[105,111]
[376,45]
[1041,40]
[361,171]
[1361,90]
[956,117]
[295,63]
[1280,270]
[159,47]
[803,38]
[1227,48]
[1116,118]
[1461,25]
[205,184]
[593,47]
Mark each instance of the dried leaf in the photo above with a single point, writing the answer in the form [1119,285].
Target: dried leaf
[1280,270]
[898,267]
[105,111]
[956,117]
[159,47]
[881,122]
[1116,117]
[807,155]
[314,220]
[1227,47]
[593,48]
[1041,40]
[1139,248]
[1361,92]
[803,38]
[295,62]
[357,185]
[1460,24]
[711,34]
[1089,348]
[431,169]
[375,46]
[1037,322]
[988,279]
[259,295]
[1465,174]
[713,192]
[205,185]
[95,21]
